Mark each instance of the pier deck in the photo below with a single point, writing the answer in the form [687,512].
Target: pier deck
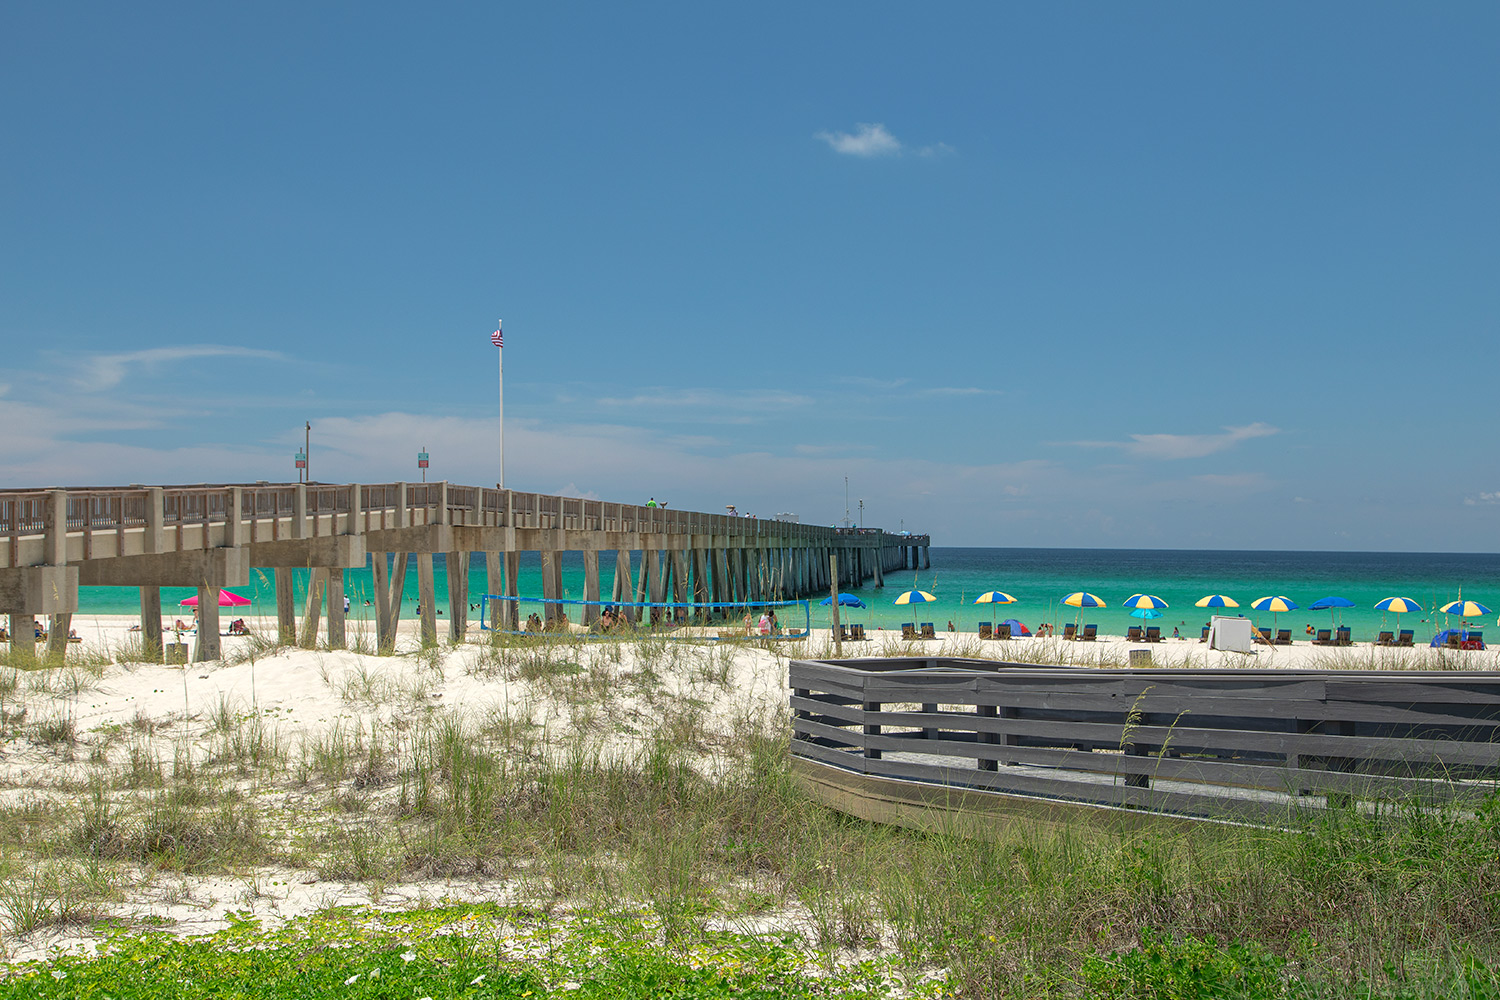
[210,537]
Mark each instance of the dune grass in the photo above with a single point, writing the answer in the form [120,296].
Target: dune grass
[610,788]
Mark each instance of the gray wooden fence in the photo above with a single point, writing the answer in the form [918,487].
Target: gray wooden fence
[1250,745]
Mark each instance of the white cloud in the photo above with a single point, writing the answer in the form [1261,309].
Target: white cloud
[715,405]
[867,140]
[105,371]
[1175,446]
[957,390]
[1482,498]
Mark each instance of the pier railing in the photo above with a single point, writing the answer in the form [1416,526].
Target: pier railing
[1256,745]
[197,516]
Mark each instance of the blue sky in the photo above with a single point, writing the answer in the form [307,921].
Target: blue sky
[1157,275]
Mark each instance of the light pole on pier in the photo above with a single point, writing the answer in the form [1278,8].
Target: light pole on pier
[861,514]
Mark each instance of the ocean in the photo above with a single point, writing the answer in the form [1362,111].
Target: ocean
[1038,579]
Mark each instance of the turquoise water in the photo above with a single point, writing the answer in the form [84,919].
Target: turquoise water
[1038,579]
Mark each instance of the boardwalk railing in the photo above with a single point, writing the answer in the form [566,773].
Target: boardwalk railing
[1254,745]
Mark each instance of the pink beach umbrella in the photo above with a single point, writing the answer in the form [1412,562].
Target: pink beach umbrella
[226,600]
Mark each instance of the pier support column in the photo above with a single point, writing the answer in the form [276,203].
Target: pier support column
[427,598]
[337,636]
[23,633]
[551,586]
[57,633]
[286,607]
[313,611]
[207,646]
[653,570]
[623,586]
[512,609]
[590,585]
[494,580]
[458,595]
[151,648]
[380,579]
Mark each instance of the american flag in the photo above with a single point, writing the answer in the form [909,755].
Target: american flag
[496,338]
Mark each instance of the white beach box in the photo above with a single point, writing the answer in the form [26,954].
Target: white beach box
[1228,633]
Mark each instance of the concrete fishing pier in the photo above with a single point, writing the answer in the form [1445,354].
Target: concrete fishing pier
[210,537]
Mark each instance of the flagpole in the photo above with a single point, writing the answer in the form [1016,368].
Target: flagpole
[500,354]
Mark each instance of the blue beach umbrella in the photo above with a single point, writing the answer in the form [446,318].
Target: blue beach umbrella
[994,597]
[1328,604]
[1144,601]
[1465,609]
[845,601]
[1216,601]
[1145,613]
[915,597]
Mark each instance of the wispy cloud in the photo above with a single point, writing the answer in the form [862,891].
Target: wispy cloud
[957,390]
[872,139]
[713,402]
[866,140]
[105,371]
[867,382]
[1482,498]
[1169,447]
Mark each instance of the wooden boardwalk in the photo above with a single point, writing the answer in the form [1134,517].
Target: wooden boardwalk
[892,739]
[210,537]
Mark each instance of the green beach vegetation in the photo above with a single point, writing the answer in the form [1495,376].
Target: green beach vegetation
[545,816]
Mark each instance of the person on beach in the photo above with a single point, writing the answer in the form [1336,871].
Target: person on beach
[651,502]
[765,623]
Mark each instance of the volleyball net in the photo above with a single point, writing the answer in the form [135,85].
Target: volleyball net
[668,619]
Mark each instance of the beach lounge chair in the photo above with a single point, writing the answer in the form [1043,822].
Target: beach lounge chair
[1002,631]
[1204,636]
[908,630]
[1324,637]
[1283,637]
[1263,636]
[1406,637]
[929,631]
[843,633]
[1342,636]
[1153,633]
[1133,634]
[1386,639]
[1473,640]
[857,633]
[1454,638]
[986,630]
[1090,633]
[1070,632]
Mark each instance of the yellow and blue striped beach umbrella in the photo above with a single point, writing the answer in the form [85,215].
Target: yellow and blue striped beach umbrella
[1274,604]
[1083,599]
[915,597]
[1145,601]
[1398,605]
[1465,609]
[1216,601]
[994,597]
